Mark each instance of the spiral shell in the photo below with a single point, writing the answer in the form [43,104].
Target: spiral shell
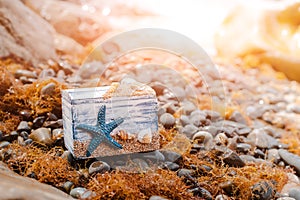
[124,135]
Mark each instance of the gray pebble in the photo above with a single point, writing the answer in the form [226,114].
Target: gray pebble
[171,166]
[77,192]
[157,198]
[99,167]
[243,147]
[198,120]
[156,156]
[42,135]
[251,159]
[47,73]
[20,140]
[54,124]
[228,187]
[263,191]
[38,122]
[273,155]
[213,115]
[161,111]
[237,117]
[259,153]
[28,141]
[48,89]
[68,186]
[24,134]
[211,129]
[198,112]
[185,173]
[179,93]
[4,144]
[141,164]
[232,159]
[221,139]
[184,120]
[1,135]
[68,156]
[262,140]
[243,131]
[291,159]
[167,120]
[188,107]
[294,108]
[189,130]
[23,126]
[25,73]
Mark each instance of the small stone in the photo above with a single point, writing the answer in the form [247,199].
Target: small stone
[211,129]
[291,159]
[184,120]
[58,133]
[156,156]
[205,138]
[244,131]
[273,155]
[187,173]
[161,111]
[198,120]
[28,141]
[295,193]
[188,107]
[54,124]
[68,156]
[26,114]
[213,115]
[167,120]
[23,126]
[263,191]
[1,135]
[262,139]
[178,92]
[232,159]
[42,135]
[77,192]
[145,136]
[221,139]
[48,89]
[26,73]
[286,198]
[4,144]
[171,155]
[68,186]
[20,140]
[38,122]
[237,117]
[293,108]
[171,166]
[24,134]
[201,192]
[141,164]
[228,187]
[243,147]
[189,130]
[47,73]
[157,198]
[221,197]
[99,167]
[259,153]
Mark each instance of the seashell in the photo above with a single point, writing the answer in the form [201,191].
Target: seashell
[145,136]
[124,135]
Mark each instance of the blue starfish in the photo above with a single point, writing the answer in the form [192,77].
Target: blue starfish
[101,132]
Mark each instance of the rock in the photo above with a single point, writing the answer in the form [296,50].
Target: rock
[243,147]
[259,153]
[23,33]
[211,129]
[48,89]
[221,197]
[237,117]
[28,141]
[232,159]
[68,186]
[23,126]
[4,144]
[157,198]
[228,187]
[188,107]
[178,92]
[213,115]
[184,120]
[262,140]
[273,155]
[47,73]
[99,167]
[198,120]
[204,137]
[25,73]
[201,192]
[167,120]
[145,136]
[54,124]
[189,130]
[295,193]
[221,139]
[187,173]
[293,182]
[263,191]
[141,164]
[243,131]
[171,166]
[251,159]
[14,186]
[293,108]
[38,122]
[42,135]
[286,198]
[156,156]
[78,192]
[291,159]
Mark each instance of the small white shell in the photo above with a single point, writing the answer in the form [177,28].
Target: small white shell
[145,136]
[124,135]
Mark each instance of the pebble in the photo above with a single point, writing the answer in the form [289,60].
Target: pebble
[243,147]
[263,191]
[24,135]
[167,120]
[293,108]
[228,187]
[20,141]
[157,198]
[189,130]
[4,144]
[25,73]
[205,138]
[185,173]
[28,141]
[259,153]
[188,107]
[68,186]
[221,139]
[237,117]
[26,114]
[295,193]
[287,198]
[54,124]
[77,192]
[221,197]
[293,182]
[213,115]
[42,135]
[179,93]
[156,156]
[262,140]
[48,89]
[184,120]
[99,167]
[273,155]
[171,166]
[1,135]
[232,159]
[198,120]
[47,73]
[211,129]
[23,126]
[201,192]
[251,159]
[243,131]
[291,159]
[141,164]
[38,122]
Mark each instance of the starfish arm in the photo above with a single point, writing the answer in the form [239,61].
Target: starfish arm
[95,142]
[91,129]
[113,142]
[101,116]
[112,125]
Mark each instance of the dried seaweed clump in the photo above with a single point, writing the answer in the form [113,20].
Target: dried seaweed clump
[121,185]
[44,166]
[241,179]
[30,96]
[292,138]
